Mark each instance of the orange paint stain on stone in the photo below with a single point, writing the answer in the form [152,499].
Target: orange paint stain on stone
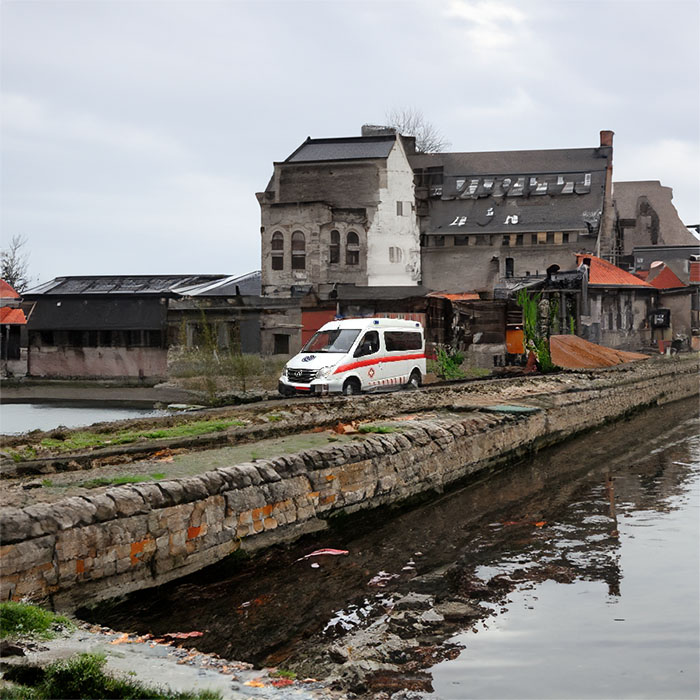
[257,513]
[267,510]
[328,499]
[136,552]
[79,566]
[193,532]
[330,477]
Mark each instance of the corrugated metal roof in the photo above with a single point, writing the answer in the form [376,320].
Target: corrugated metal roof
[12,317]
[248,284]
[352,148]
[7,291]
[605,274]
[118,284]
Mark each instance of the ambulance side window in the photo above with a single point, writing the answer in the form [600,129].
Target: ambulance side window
[368,345]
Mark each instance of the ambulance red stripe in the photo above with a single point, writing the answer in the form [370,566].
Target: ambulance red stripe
[376,361]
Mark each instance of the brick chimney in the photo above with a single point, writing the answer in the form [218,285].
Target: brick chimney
[605,246]
[606,138]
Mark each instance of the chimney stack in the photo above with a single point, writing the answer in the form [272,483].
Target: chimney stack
[606,138]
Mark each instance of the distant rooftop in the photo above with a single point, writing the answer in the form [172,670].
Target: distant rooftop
[119,284]
[604,274]
[350,148]
[7,291]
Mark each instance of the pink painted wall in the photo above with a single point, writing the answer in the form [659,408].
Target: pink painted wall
[97,362]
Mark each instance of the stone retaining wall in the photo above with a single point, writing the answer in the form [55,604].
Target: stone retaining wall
[88,548]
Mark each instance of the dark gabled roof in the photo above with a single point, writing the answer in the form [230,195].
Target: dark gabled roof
[134,285]
[515,191]
[350,148]
[561,160]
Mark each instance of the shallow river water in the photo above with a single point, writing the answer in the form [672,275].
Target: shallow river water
[584,560]
[16,418]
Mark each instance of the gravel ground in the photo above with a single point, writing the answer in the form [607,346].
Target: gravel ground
[178,668]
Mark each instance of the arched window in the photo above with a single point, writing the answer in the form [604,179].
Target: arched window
[352,249]
[277,250]
[298,251]
[335,247]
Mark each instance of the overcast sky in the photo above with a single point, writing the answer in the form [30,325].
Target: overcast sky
[135,134]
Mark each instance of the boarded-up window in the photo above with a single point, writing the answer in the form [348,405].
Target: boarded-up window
[558,237]
[298,251]
[542,237]
[277,246]
[352,249]
[335,247]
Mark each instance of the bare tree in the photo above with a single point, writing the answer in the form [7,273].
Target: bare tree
[14,264]
[411,122]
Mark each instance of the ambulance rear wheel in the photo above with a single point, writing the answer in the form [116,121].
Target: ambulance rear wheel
[415,380]
[351,387]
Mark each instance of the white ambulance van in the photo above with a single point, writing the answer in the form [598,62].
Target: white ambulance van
[356,355]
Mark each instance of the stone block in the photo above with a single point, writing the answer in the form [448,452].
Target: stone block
[172,490]
[250,473]
[267,472]
[105,508]
[24,556]
[15,525]
[193,489]
[152,494]
[127,501]
[214,482]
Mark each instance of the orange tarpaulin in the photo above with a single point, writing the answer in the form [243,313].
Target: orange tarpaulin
[572,352]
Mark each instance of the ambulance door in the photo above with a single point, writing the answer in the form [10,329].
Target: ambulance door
[367,359]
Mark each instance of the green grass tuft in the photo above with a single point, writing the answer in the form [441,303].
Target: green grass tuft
[19,619]
[82,440]
[382,429]
[83,676]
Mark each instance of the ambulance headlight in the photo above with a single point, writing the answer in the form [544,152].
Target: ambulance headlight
[324,372]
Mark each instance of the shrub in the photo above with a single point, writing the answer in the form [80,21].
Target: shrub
[449,363]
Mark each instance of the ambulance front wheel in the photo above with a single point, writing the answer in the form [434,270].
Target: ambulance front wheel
[415,380]
[351,387]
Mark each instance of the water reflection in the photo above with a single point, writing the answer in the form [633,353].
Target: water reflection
[610,509]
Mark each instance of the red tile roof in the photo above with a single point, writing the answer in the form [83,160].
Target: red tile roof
[12,317]
[6,291]
[605,274]
[666,278]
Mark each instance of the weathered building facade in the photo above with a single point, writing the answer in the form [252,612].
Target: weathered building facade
[340,211]
[491,216]
[646,218]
